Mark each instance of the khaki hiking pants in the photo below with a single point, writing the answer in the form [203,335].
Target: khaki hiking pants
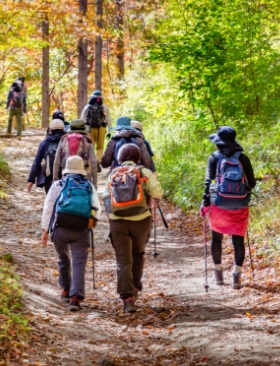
[17,112]
[98,137]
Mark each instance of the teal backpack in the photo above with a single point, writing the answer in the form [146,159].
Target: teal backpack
[73,206]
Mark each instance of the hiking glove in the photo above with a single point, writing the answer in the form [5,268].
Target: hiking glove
[108,136]
[204,210]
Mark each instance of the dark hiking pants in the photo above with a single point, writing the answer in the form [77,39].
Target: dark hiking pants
[78,242]
[128,239]
[238,244]
[18,113]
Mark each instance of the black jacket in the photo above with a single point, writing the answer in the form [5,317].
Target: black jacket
[212,166]
[36,169]
[107,159]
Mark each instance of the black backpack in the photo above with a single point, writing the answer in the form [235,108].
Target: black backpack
[119,144]
[95,115]
[47,166]
[17,99]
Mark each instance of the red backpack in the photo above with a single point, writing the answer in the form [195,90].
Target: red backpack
[74,144]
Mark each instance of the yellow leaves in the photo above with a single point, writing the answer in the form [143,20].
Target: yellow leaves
[55,273]
[248,315]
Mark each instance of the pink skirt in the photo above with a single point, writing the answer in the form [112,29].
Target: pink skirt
[232,222]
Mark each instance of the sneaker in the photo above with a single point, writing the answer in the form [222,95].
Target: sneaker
[99,170]
[129,305]
[74,304]
[218,277]
[65,296]
[235,281]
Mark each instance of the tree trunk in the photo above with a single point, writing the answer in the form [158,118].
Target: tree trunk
[98,47]
[45,75]
[120,44]
[82,65]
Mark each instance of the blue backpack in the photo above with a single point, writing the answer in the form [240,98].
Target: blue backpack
[119,144]
[73,206]
[230,190]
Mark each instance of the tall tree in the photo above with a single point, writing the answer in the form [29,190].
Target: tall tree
[98,47]
[45,73]
[82,63]
[120,42]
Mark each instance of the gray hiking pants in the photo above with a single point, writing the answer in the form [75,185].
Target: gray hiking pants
[129,239]
[78,242]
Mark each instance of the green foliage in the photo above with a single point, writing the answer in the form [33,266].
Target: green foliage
[15,325]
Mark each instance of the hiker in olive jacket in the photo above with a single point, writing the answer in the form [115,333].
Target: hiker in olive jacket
[127,134]
[77,127]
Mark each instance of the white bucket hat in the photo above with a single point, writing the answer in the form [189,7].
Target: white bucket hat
[56,124]
[137,125]
[74,165]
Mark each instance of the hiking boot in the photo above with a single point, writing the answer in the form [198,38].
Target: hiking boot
[74,304]
[129,305]
[135,293]
[9,134]
[218,277]
[235,281]
[18,138]
[65,296]
[99,170]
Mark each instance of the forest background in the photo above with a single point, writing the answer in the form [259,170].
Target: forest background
[181,67]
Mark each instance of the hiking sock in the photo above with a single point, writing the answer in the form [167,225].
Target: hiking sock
[218,267]
[237,269]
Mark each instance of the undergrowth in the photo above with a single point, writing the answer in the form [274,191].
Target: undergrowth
[4,177]
[14,330]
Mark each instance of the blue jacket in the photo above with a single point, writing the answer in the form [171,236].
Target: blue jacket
[36,169]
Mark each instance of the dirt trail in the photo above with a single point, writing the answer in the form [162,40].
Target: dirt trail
[176,324]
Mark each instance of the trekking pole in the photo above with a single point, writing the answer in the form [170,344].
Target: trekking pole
[155,254]
[92,257]
[252,268]
[161,214]
[206,286]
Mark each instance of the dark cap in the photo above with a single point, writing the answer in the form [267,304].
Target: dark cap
[58,115]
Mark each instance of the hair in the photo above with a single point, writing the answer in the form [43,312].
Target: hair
[129,152]
[15,87]
[95,99]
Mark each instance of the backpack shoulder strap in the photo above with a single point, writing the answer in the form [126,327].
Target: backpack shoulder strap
[218,155]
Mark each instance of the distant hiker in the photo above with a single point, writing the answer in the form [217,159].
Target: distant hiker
[229,181]
[76,142]
[22,85]
[130,219]
[139,127]
[124,134]
[59,115]
[97,116]
[42,168]
[16,102]
[69,205]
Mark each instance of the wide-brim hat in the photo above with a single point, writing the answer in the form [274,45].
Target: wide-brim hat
[124,123]
[78,125]
[137,124]
[74,165]
[225,136]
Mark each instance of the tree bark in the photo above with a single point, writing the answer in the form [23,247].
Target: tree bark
[120,43]
[98,47]
[82,64]
[45,74]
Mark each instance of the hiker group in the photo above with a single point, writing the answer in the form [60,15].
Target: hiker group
[66,166]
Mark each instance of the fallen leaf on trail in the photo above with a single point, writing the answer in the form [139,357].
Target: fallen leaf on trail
[145,331]
[249,315]
[55,273]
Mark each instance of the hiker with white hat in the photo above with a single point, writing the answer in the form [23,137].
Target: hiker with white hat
[71,209]
[42,167]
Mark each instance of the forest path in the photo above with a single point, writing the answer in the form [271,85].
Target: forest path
[176,324]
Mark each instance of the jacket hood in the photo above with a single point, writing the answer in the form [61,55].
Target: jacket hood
[125,133]
[55,137]
[228,151]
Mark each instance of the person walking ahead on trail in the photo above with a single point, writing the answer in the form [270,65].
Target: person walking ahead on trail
[124,134]
[130,220]
[16,103]
[96,114]
[42,167]
[76,142]
[139,127]
[67,209]
[229,181]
